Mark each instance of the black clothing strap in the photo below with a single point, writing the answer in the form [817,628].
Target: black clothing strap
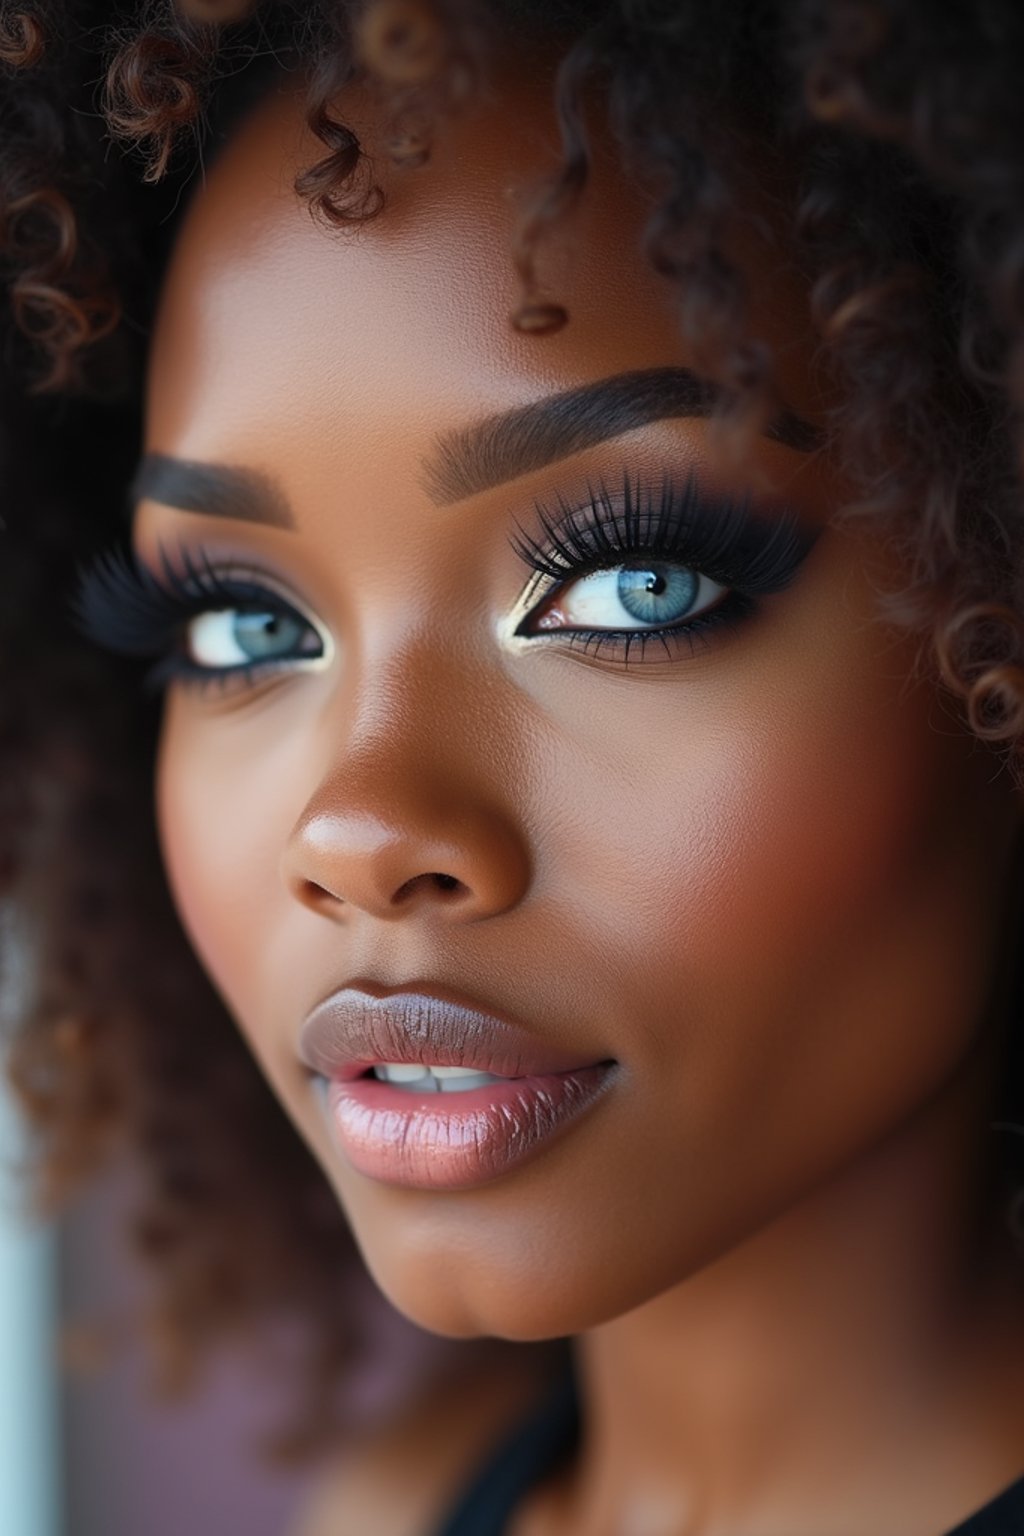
[548,1438]
[1003,1517]
[529,1455]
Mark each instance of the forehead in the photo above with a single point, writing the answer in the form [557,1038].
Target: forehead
[260,294]
[273,323]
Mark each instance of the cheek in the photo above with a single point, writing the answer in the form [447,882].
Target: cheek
[790,783]
[226,787]
[786,873]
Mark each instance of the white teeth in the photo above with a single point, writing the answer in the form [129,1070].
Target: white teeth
[400,1071]
[433,1079]
[467,1081]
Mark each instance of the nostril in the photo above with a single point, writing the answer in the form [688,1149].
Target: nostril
[317,897]
[435,881]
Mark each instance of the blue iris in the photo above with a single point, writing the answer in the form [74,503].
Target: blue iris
[657,594]
[264,636]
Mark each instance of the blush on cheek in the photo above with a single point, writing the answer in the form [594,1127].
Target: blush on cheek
[835,792]
[843,922]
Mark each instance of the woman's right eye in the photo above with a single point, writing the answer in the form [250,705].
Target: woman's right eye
[198,623]
[225,638]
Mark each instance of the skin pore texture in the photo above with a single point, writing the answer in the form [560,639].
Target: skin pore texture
[767,874]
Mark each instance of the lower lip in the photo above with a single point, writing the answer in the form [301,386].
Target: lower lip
[456,1140]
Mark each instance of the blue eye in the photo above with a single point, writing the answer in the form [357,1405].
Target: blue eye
[202,624]
[633,565]
[237,637]
[641,594]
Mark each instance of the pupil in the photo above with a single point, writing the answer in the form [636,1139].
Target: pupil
[657,594]
[266,634]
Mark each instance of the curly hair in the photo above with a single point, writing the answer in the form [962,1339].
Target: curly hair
[896,133]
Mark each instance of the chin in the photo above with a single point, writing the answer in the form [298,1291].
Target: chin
[477,1312]
[456,1294]
[522,1288]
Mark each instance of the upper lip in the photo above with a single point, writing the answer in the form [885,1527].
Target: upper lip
[353,1030]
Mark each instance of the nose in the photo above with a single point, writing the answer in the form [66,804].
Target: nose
[390,833]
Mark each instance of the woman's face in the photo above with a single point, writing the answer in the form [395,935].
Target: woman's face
[729,894]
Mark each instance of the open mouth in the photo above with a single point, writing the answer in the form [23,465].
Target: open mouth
[416,1077]
[433,1094]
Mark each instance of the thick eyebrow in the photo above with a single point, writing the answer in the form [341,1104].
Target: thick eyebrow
[476,458]
[217,490]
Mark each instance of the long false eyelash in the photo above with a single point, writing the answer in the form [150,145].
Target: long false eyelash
[719,536]
[123,607]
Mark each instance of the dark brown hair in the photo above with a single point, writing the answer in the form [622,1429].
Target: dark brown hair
[895,134]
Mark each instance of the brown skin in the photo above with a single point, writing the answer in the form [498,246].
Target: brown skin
[768,878]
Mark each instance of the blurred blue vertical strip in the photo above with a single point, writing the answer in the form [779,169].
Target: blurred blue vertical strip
[29,1450]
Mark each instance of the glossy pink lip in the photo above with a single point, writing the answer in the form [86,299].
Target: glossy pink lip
[447,1140]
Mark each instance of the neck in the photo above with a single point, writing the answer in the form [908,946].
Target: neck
[872,1327]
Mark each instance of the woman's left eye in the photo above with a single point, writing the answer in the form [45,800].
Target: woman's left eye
[638,595]
[224,638]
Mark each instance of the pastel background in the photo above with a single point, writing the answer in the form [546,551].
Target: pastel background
[92,1454]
